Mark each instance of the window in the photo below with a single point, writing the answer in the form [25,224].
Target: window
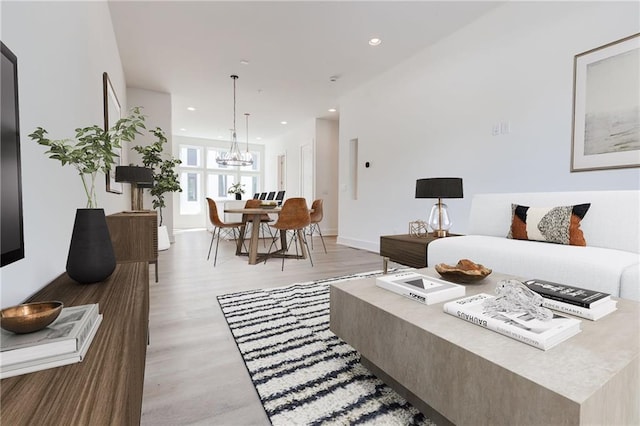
[190,156]
[192,187]
[201,177]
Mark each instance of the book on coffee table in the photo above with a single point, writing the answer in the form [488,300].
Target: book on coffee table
[520,326]
[592,314]
[568,294]
[421,288]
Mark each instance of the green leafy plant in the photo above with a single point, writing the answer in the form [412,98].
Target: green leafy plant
[92,150]
[165,178]
[236,188]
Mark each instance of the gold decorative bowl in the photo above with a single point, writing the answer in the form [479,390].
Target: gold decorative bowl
[465,271]
[30,317]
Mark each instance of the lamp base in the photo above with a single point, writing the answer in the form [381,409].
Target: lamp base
[440,233]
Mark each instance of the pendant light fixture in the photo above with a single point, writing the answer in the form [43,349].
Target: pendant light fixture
[247,155]
[234,157]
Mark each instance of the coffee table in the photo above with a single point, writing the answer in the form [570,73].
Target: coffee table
[458,372]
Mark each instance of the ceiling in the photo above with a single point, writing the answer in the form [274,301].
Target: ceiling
[190,48]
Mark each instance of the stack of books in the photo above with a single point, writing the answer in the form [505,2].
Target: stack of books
[583,303]
[421,288]
[521,326]
[64,341]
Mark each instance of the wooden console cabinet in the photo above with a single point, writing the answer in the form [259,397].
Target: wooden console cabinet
[135,237]
[106,387]
[405,249]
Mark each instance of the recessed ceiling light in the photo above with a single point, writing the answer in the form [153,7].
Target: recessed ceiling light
[258,138]
[375,41]
[182,129]
[191,109]
[332,110]
[244,62]
[283,122]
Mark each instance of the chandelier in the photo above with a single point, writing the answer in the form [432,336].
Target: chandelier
[234,157]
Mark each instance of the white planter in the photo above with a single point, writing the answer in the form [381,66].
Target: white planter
[163,238]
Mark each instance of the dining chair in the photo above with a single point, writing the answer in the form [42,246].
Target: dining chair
[218,225]
[256,196]
[315,219]
[294,216]
[271,195]
[280,197]
[264,219]
[263,196]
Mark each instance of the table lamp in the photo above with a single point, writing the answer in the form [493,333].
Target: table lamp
[139,178]
[439,188]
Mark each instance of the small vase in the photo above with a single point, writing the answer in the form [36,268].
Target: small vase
[91,257]
[238,196]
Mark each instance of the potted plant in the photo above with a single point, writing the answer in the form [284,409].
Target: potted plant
[165,178]
[91,257]
[236,188]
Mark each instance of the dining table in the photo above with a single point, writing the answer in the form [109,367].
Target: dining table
[254,216]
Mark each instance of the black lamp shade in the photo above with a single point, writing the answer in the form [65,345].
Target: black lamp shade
[439,188]
[134,174]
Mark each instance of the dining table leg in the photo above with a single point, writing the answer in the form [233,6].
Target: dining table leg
[255,236]
[240,242]
[303,247]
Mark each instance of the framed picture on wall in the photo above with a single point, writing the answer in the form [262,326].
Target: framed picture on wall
[606,107]
[112,114]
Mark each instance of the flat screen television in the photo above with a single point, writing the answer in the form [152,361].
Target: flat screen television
[11,232]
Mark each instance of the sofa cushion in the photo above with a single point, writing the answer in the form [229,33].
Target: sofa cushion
[559,225]
[594,268]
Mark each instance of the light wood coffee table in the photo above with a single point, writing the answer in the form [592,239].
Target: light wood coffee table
[458,372]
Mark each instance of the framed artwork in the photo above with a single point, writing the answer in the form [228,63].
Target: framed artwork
[112,113]
[606,107]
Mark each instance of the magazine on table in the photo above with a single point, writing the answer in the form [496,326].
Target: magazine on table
[65,335]
[54,360]
[521,326]
[421,288]
[568,294]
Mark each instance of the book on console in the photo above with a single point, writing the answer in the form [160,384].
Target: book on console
[422,288]
[568,294]
[517,325]
[54,360]
[65,335]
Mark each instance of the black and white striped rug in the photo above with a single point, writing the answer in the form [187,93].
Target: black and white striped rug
[303,373]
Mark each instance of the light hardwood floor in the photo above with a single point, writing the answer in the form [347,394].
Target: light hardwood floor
[194,373]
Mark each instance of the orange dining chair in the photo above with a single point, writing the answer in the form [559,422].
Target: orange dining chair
[264,219]
[294,216]
[315,219]
[218,225]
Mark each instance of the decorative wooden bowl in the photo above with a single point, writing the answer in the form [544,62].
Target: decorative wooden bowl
[29,317]
[465,271]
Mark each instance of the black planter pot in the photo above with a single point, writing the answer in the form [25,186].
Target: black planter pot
[238,196]
[91,258]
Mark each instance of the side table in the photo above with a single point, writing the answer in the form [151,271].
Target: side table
[405,249]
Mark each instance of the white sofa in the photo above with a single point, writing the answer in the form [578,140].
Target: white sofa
[610,262]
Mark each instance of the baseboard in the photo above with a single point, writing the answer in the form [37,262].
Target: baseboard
[359,244]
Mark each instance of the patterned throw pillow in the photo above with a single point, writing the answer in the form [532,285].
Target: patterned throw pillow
[559,225]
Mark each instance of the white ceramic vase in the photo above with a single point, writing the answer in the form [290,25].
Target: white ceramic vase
[163,238]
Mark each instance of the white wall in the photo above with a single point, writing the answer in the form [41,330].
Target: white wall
[289,145]
[326,182]
[62,50]
[322,135]
[156,106]
[432,116]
